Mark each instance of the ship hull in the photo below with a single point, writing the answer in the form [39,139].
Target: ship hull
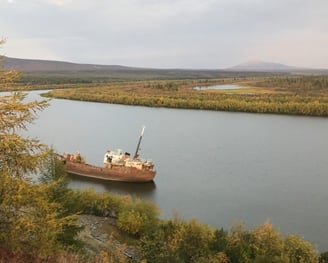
[115,173]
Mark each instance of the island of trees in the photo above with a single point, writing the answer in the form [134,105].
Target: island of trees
[294,95]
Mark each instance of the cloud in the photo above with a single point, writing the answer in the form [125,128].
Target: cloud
[168,33]
[8,1]
[59,2]
[294,48]
[34,48]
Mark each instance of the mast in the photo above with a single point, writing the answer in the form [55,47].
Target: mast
[138,147]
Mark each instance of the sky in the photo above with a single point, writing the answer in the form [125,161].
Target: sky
[195,34]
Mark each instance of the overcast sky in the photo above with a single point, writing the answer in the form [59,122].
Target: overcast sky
[167,33]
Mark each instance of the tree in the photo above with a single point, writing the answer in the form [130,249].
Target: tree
[178,241]
[19,156]
[298,250]
[30,223]
[138,217]
[268,241]
[323,257]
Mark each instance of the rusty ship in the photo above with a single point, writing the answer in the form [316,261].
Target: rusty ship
[118,166]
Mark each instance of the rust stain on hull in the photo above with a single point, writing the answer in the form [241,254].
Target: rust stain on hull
[115,173]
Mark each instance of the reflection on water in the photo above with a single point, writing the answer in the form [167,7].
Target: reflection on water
[218,87]
[143,190]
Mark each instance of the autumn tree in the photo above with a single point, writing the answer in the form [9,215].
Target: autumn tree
[18,156]
[30,223]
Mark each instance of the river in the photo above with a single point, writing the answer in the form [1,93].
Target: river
[218,167]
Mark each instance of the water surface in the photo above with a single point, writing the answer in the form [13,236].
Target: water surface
[218,167]
[219,87]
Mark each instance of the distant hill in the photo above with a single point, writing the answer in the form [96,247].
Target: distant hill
[258,65]
[30,65]
[47,71]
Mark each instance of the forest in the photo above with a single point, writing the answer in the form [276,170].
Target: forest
[293,95]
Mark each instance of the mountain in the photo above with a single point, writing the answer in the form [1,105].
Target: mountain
[47,71]
[252,68]
[257,65]
[30,65]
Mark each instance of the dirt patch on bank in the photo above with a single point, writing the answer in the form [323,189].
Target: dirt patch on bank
[101,234]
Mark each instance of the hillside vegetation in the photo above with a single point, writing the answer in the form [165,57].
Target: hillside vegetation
[60,72]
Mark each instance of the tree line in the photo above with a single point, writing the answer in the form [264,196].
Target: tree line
[306,95]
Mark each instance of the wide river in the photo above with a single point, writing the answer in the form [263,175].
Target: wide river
[218,167]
